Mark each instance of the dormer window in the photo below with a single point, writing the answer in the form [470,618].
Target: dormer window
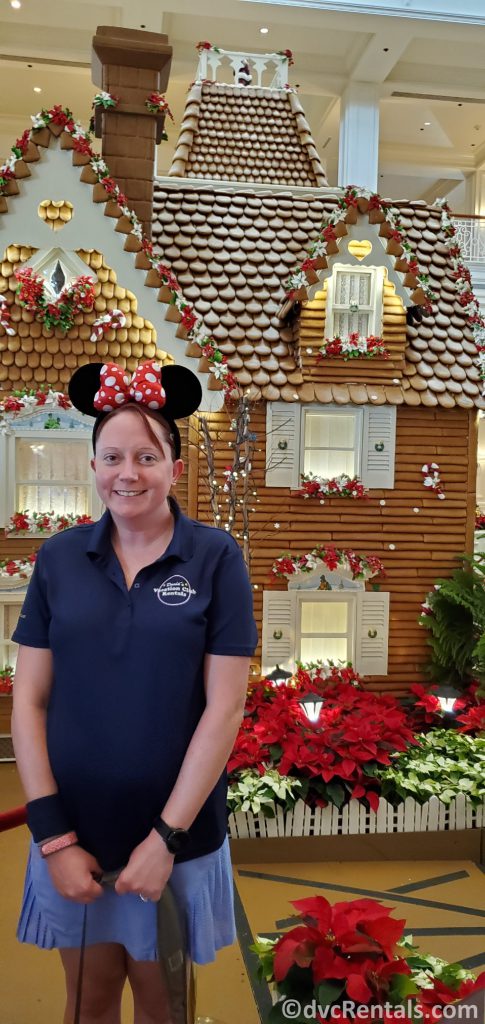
[57,281]
[58,268]
[354,301]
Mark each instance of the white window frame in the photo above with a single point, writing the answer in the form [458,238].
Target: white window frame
[323,410]
[45,261]
[285,443]
[8,457]
[314,596]
[8,597]
[373,308]
[370,624]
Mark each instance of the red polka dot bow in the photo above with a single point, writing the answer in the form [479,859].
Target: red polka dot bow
[116,387]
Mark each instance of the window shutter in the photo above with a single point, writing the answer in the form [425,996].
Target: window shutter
[378,446]
[283,444]
[279,610]
[3,480]
[372,635]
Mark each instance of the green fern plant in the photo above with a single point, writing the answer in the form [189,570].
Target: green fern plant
[456,624]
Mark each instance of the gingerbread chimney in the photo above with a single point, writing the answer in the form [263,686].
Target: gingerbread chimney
[131,64]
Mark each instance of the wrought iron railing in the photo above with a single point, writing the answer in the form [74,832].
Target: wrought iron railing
[470,236]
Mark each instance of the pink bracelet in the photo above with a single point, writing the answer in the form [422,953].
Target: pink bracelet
[60,843]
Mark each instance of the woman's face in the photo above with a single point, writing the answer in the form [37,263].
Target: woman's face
[133,477]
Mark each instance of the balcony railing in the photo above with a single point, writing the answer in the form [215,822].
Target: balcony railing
[228,67]
[470,236]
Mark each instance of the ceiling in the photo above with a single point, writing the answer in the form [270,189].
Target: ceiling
[424,70]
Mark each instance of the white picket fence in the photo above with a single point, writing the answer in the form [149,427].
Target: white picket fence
[356,819]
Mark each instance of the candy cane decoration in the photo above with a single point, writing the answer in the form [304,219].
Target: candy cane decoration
[110,321]
[5,316]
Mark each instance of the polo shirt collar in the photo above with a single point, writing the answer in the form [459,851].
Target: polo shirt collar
[181,546]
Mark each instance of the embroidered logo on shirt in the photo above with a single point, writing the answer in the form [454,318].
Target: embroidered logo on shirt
[175,590]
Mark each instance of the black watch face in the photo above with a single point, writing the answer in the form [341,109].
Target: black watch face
[177,840]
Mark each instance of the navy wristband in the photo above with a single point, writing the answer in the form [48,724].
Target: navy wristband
[46,817]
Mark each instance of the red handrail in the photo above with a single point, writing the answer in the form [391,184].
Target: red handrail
[468,216]
[11,819]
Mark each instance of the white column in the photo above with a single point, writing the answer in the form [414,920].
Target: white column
[479,192]
[359,135]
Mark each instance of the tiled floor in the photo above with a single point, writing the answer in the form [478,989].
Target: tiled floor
[443,903]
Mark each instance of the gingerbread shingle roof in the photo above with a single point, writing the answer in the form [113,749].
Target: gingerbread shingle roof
[233,250]
[36,352]
[246,134]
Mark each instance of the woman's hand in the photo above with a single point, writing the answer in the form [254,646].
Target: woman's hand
[148,869]
[71,872]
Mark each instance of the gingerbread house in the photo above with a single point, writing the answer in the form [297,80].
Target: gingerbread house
[335,323]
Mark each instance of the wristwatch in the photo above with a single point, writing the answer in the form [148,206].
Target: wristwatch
[175,839]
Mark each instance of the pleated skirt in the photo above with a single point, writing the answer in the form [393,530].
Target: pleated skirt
[203,890]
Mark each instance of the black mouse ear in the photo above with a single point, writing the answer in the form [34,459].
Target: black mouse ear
[83,386]
[182,388]
[183,391]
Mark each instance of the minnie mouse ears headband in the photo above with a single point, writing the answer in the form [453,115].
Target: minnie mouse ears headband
[101,387]
[97,388]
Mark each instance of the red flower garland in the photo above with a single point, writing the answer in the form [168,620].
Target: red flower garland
[342,486]
[76,298]
[354,347]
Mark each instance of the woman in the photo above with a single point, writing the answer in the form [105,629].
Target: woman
[135,638]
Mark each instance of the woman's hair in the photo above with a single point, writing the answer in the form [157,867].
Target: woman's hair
[146,415]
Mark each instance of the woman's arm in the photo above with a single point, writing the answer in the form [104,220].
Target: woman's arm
[31,692]
[226,683]
[226,680]
[70,869]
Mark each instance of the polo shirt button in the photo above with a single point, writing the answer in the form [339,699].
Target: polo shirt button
[136,585]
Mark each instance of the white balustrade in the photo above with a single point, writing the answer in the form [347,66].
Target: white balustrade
[214,62]
[470,236]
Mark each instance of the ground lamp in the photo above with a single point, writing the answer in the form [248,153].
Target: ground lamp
[312,704]
[447,696]
[278,676]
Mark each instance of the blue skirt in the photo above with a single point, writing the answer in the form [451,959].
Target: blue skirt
[203,889]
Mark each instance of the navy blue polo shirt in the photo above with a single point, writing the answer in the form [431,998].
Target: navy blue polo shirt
[128,687]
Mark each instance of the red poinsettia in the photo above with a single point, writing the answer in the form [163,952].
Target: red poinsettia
[20,521]
[62,117]
[6,679]
[168,277]
[12,404]
[431,1000]
[352,944]
[355,731]
[328,233]
[189,318]
[82,145]
[472,720]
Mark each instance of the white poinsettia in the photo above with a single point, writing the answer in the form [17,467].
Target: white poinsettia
[138,229]
[220,370]
[99,166]
[10,162]
[38,120]
[319,248]
[298,280]
[199,335]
